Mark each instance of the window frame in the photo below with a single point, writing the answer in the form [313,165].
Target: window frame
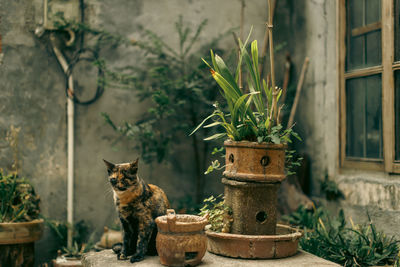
[386,69]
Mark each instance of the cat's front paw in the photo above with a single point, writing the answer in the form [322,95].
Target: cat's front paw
[121,256]
[136,258]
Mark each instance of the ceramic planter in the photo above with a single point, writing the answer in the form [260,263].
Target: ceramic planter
[17,242]
[109,238]
[181,240]
[283,244]
[251,161]
[253,174]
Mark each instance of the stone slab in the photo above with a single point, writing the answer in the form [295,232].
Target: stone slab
[107,258]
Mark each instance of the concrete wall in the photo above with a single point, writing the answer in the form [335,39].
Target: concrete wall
[309,27]
[32,97]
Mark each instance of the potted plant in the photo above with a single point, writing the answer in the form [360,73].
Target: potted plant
[255,152]
[82,242]
[20,225]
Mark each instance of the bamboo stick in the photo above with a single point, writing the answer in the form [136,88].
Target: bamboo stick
[261,65]
[298,90]
[286,78]
[271,56]
[240,82]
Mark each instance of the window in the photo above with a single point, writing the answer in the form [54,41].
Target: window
[369,81]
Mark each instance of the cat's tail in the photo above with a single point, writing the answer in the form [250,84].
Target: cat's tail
[117,248]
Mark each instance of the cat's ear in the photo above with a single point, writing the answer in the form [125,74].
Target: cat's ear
[110,166]
[134,166]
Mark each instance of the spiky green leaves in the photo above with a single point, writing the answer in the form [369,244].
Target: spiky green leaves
[251,116]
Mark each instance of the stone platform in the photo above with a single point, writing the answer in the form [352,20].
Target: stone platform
[107,258]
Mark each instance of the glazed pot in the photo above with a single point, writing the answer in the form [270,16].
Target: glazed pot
[181,240]
[17,242]
[255,162]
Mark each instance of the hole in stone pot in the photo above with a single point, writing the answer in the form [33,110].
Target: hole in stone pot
[231,158]
[190,255]
[264,161]
[261,216]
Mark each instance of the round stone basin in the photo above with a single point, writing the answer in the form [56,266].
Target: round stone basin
[283,244]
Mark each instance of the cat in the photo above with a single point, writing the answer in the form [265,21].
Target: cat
[138,205]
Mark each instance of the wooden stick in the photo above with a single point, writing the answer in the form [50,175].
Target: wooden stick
[298,90]
[240,82]
[271,56]
[261,65]
[286,77]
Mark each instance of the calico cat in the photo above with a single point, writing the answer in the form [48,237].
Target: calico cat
[138,205]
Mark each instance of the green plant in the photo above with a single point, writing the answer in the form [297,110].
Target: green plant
[219,214]
[252,116]
[305,218]
[178,92]
[331,189]
[331,238]
[82,241]
[18,201]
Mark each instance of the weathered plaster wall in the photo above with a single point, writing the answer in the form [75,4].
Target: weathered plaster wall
[310,30]
[32,97]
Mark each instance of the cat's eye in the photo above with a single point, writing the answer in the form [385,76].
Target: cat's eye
[113,181]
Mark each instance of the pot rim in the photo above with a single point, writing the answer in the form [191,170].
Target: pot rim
[296,234]
[256,145]
[35,221]
[200,220]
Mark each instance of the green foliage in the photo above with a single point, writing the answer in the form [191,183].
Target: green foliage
[219,215]
[81,239]
[252,116]
[292,161]
[330,238]
[305,218]
[331,189]
[176,87]
[18,201]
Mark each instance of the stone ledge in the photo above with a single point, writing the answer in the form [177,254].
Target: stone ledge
[107,258]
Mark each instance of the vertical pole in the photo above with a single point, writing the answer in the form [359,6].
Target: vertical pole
[70,186]
[70,124]
[271,56]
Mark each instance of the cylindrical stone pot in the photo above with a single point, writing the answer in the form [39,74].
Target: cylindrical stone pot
[253,206]
[17,242]
[253,174]
[181,240]
[251,161]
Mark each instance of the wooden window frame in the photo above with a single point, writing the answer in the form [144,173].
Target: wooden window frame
[387,69]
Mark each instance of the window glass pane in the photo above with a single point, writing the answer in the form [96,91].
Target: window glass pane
[397,114]
[373,54]
[397,29]
[372,11]
[356,13]
[356,53]
[364,117]
[363,34]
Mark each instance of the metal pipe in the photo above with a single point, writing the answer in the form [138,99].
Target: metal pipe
[70,120]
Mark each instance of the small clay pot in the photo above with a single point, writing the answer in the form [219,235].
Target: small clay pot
[256,162]
[181,240]
[109,238]
[66,261]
